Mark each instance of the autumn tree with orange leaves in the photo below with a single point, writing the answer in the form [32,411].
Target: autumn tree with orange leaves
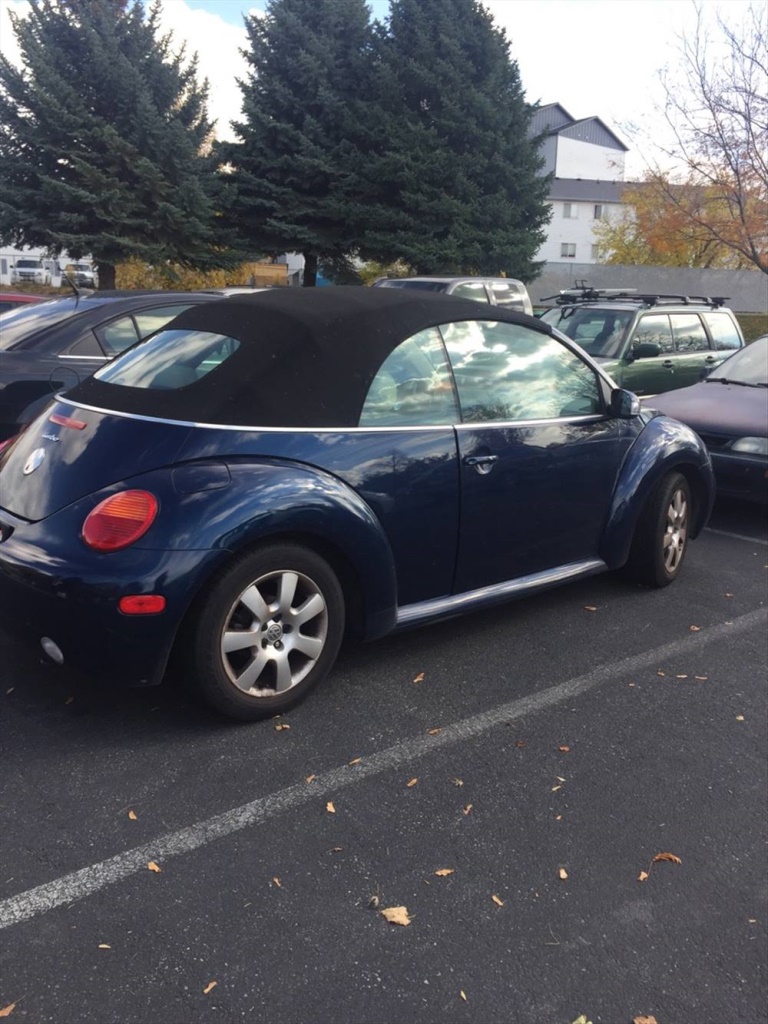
[659,226]
[713,211]
[717,108]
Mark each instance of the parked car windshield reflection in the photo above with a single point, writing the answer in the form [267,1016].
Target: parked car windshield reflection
[749,366]
[601,332]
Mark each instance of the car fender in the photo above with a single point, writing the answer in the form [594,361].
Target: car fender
[232,505]
[664,445]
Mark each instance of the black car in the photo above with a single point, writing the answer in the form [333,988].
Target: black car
[268,471]
[47,346]
[729,411]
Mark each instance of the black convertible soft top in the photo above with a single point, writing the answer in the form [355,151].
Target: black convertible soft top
[306,356]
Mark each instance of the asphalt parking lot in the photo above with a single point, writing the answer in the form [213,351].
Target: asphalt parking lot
[508,778]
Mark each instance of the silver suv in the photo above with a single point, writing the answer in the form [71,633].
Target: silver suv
[498,291]
[648,343]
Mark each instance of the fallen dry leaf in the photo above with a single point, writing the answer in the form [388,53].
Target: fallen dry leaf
[660,673]
[69,700]
[276,881]
[154,867]
[6,694]
[555,788]
[681,677]
[442,872]
[419,678]
[467,809]
[463,995]
[590,608]
[311,778]
[497,901]
[752,920]
[7,1010]
[281,725]
[559,817]
[336,849]
[581,1019]
[520,743]
[132,815]
[434,732]
[560,778]
[458,782]
[673,858]
[210,987]
[103,945]
[643,876]
[330,808]
[695,629]
[411,783]
[356,760]
[396,915]
[562,873]
[564,750]
[701,679]
[739,718]
[644,1020]
[728,595]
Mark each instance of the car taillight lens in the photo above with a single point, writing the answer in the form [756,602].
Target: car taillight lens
[119,521]
[5,445]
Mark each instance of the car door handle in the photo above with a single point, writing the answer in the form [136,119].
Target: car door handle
[482,463]
[668,363]
[711,359]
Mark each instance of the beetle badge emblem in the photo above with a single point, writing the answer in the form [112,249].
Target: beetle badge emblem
[33,461]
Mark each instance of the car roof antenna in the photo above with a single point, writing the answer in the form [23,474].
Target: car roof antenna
[72,285]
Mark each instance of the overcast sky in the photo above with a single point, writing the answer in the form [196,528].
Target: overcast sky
[595,57]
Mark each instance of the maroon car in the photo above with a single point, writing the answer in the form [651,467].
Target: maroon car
[10,300]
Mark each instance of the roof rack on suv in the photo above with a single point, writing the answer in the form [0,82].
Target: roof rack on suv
[582,292]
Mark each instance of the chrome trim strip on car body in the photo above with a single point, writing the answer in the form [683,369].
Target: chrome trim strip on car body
[458,604]
[102,359]
[591,418]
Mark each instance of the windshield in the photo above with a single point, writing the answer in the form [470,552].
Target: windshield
[601,332]
[33,317]
[748,366]
[29,264]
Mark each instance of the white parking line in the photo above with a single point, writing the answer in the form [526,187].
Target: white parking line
[736,536]
[91,879]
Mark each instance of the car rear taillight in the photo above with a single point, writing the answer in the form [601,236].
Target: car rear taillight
[5,445]
[119,521]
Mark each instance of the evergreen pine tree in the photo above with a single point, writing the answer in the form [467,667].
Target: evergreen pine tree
[456,176]
[102,139]
[292,180]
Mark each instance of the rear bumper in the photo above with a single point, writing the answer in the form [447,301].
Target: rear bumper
[73,601]
[741,476]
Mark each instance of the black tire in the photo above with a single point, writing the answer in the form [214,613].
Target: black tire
[661,536]
[294,643]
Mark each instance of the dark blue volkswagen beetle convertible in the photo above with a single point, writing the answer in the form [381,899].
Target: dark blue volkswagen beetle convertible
[269,470]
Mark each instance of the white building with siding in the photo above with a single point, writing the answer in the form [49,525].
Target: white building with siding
[587,160]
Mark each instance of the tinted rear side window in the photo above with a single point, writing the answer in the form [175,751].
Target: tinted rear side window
[725,333]
[170,360]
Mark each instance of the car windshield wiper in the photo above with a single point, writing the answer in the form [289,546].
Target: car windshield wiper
[741,383]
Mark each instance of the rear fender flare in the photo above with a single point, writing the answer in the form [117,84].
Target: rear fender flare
[277,499]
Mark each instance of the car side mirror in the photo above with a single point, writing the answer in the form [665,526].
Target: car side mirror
[646,350]
[625,405]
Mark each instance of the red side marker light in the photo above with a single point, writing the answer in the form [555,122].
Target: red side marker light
[142,604]
[120,520]
[66,421]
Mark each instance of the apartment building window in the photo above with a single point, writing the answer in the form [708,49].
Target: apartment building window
[568,249]
[599,214]
[570,211]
